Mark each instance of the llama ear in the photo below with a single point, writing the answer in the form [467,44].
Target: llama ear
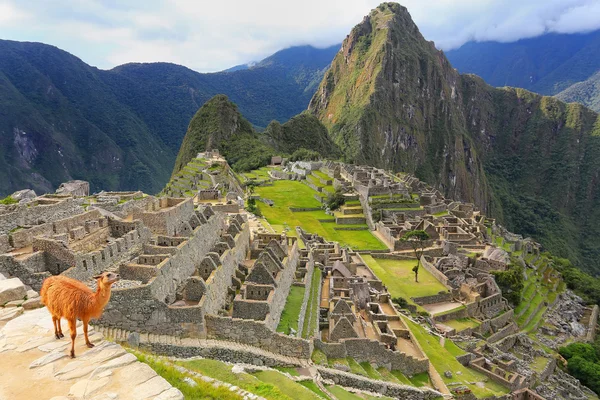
[97,277]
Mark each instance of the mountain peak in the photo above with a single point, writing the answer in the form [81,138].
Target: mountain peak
[217,121]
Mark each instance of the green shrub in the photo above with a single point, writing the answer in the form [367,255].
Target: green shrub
[8,200]
[400,301]
[511,283]
[335,200]
[583,362]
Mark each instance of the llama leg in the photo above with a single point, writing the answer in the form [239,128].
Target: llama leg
[60,334]
[54,319]
[85,333]
[73,329]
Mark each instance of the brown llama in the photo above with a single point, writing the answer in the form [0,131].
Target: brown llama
[71,299]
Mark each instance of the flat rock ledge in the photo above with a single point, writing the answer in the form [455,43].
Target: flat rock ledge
[31,358]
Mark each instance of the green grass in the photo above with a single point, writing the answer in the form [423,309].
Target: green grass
[387,375]
[286,194]
[332,362]
[539,363]
[342,394]
[290,370]
[453,348]
[460,324]
[310,322]
[286,386]
[356,368]
[443,360]
[202,390]
[222,372]
[418,380]
[291,311]
[397,275]
[322,175]
[318,357]
[310,385]
[371,372]
[8,200]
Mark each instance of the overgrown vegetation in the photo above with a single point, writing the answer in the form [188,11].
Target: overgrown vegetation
[583,362]
[305,155]
[335,200]
[511,282]
[583,284]
[303,132]
[8,200]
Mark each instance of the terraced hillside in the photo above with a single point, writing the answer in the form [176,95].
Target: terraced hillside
[299,204]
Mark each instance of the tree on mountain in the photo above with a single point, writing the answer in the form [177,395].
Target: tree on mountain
[417,239]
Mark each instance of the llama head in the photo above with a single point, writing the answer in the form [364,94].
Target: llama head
[107,278]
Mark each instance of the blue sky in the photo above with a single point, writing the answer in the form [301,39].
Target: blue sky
[208,35]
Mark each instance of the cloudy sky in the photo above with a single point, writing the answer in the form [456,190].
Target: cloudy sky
[208,35]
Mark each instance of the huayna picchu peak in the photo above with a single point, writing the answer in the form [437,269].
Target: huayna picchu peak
[392,100]
[354,222]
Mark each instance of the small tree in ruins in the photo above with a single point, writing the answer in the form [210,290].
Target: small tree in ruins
[417,241]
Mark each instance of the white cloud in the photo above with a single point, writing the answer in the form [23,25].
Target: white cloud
[209,35]
[10,15]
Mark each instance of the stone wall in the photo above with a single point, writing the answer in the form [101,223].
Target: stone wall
[167,218]
[504,332]
[24,237]
[460,313]
[283,287]
[548,369]
[256,333]
[501,320]
[375,352]
[4,244]
[36,214]
[393,390]
[220,279]
[227,208]
[122,249]
[225,352]
[435,272]
[436,298]
[144,308]
[31,269]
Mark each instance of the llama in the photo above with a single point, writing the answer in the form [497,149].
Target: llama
[71,299]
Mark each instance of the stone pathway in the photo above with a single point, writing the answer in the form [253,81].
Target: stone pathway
[34,365]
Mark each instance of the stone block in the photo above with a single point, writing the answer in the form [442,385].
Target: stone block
[77,233]
[11,289]
[31,304]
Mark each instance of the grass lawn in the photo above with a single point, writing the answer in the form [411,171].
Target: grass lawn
[291,312]
[202,390]
[310,385]
[443,360]
[294,194]
[342,394]
[453,348]
[318,357]
[286,386]
[322,175]
[222,371]
[397,275]
[310,321]
[461,324]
